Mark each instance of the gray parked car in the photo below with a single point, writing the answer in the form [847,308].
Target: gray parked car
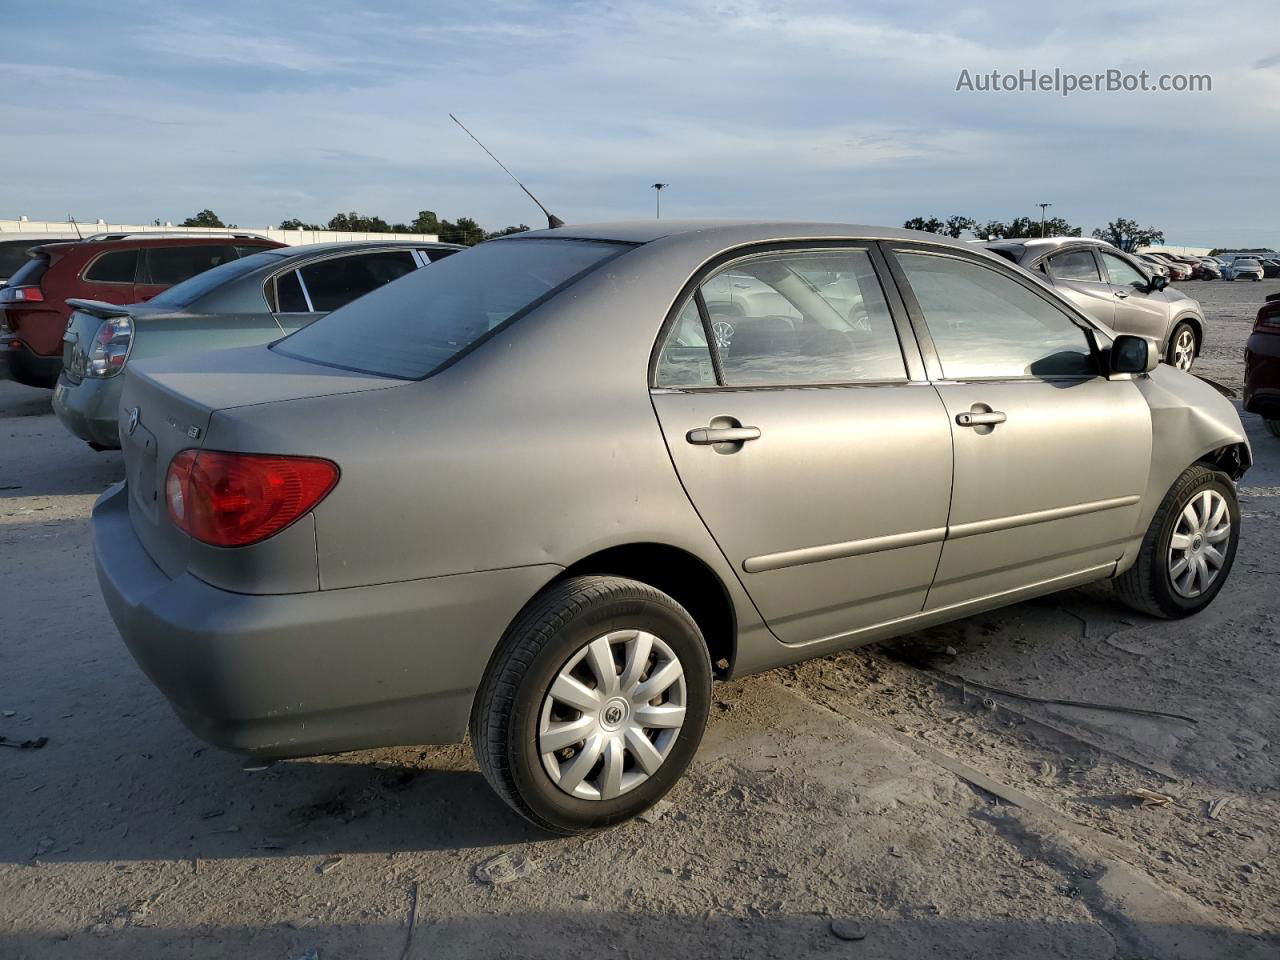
[1116,288]
[1243,268]
[547,489]
[255,299]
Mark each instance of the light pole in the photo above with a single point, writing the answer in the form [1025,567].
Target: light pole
[657,199]
[1043,207]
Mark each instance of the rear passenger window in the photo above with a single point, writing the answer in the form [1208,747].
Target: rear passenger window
[289,295]
[335,282]
[120,266]
[799,318]
[170,265]
[1074,265]
[987,325]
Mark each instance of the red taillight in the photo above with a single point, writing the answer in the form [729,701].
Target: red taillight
[21,295]
[235,499]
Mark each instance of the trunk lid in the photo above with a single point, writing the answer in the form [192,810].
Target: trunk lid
[166,405]
[86,317]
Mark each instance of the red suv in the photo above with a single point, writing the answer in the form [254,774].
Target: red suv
[113,269]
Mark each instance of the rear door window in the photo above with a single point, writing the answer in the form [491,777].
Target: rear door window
[1074,265]
[119,266]
[169,265]
[336,281]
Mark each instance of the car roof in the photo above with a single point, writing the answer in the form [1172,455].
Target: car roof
[141,240]
[729,233]
[337,245]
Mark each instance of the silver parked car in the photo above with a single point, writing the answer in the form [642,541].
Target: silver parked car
[1116,288]
[1243,268]
[255,299]
[548,489]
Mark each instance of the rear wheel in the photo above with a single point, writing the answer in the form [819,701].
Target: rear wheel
[594,704]
[1189,548]
[1182,347]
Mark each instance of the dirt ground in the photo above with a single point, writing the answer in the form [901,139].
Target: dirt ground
[893,794]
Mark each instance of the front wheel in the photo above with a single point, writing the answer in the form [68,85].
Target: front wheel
[594,704]
[1182,347]
[1188,549]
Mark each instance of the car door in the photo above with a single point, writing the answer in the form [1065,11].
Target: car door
[314,289]
[806,436]
[1051,457]
[1139,309]
[1078,277]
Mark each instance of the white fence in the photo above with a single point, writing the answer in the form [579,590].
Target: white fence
[13,229]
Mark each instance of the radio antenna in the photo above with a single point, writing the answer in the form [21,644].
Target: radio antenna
[552,219]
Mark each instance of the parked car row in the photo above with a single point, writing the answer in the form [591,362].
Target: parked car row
[1117,289]
[75,313]
[544,490]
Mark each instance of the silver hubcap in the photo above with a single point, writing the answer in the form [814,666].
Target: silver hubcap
[612,715]
[1184,350]
[1198,548]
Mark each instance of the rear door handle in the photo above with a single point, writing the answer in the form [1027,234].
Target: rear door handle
[980,419]
[703,436]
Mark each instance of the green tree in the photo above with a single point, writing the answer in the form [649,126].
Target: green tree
[957,225]
[426,222]
[357,223]
[507,231]
[464,231]
[296,224]
[205,218]
[932,225]
[1128,235]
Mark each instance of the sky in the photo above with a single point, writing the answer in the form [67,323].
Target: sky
[849,111]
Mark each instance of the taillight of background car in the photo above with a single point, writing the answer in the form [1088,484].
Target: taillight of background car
[235,499]
[1268,319]
[21,295]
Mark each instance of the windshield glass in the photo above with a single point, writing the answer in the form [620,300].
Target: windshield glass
[412,327]
[187,292]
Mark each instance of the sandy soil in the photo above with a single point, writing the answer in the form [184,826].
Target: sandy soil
[883,788]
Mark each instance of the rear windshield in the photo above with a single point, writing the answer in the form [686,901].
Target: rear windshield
[412,327]
[29,273]
[13,256]
[187,292]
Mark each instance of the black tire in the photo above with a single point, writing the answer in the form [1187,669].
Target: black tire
[1178,329]
[551,629]
[1146,586]
[1273,427]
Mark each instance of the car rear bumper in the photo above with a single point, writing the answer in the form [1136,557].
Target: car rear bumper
[90,408]
[1262,375]
[300,674]
[19,362]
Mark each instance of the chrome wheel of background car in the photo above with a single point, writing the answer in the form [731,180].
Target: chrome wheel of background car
[1196,549]
[1184,349]
[612,715]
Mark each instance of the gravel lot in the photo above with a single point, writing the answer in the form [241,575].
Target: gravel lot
[872,794]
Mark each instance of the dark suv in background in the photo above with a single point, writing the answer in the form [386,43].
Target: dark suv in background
[119,270]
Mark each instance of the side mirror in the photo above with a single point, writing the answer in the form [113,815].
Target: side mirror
[1157,283]
[1130,354]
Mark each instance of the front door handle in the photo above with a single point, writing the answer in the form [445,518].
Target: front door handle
[976,419]
[704,436]
[1121,294]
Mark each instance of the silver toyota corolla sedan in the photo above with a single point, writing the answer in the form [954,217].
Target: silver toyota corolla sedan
[545,491]
[1116,288]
